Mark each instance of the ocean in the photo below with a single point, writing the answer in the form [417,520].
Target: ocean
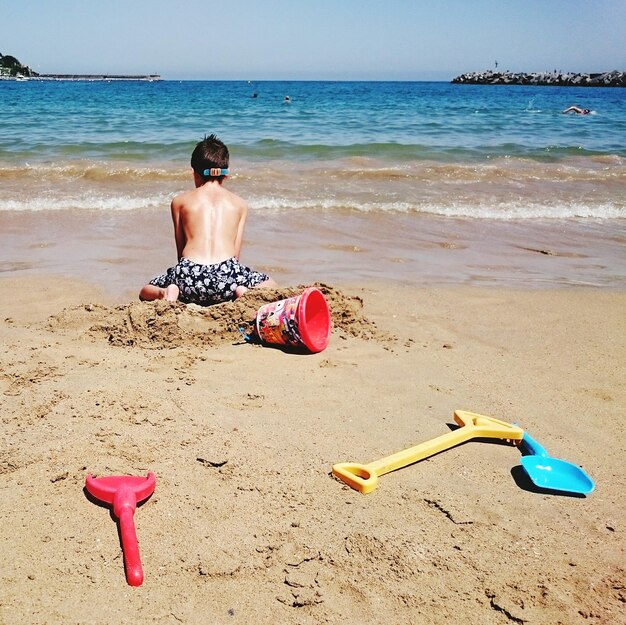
[357,180]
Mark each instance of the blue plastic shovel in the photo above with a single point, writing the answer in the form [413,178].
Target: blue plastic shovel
[552,473]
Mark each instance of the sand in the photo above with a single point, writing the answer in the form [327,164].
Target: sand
[247,524]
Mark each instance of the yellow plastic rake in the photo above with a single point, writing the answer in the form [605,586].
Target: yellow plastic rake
[364,477]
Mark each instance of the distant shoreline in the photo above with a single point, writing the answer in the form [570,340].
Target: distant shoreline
[547,79]
[87,77]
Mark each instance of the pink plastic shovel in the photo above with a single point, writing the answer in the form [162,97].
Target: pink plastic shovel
[124,492]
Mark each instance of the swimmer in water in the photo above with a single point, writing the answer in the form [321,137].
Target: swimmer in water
[577,110]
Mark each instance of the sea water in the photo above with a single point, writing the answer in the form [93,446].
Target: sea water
[386,166]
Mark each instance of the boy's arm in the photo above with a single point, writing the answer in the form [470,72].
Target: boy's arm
[179,231]
[240,228]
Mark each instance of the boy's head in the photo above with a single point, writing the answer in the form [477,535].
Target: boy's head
[210,153]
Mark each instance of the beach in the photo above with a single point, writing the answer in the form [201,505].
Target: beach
[470,246]
[246,523]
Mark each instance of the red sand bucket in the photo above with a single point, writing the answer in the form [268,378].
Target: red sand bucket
[302,320]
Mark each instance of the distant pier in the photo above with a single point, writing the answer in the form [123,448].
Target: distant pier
[85,77]
[94,77]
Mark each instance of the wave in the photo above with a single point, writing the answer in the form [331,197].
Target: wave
[434,151]
[266,200]
[98,149]
[505,188]
[440,150]
[85,203]
[521,211]
[500,210]
[496,211]
[595,169]
[90,171]
[598,169]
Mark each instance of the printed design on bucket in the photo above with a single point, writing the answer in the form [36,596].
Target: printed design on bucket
[277,322]
[299,321]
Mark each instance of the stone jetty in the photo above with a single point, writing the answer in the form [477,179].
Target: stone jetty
[555,79]
[92,77]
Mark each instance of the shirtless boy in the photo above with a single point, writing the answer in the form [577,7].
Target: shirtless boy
[208,226]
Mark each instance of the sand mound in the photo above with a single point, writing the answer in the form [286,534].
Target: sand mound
[163,325]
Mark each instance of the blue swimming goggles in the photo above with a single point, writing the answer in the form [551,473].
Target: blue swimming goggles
[215,171]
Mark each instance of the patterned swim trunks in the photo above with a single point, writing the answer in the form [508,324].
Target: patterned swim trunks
[209,284]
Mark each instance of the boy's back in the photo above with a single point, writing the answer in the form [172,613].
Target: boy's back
[208,224]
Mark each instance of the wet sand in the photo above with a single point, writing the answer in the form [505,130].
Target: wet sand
[121,250]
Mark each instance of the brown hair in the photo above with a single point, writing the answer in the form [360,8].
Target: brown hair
[210,153]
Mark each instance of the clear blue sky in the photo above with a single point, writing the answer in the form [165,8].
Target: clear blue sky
[326,39]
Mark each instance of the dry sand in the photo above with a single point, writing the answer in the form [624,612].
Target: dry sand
[246,524]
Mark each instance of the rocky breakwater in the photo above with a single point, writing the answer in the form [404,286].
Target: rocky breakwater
[556,79]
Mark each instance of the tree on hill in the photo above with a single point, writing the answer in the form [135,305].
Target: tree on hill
[14,67]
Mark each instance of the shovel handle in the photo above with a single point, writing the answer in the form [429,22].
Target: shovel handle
[130,547]
[488,426]
[364,477]
[357,476]
[423,450]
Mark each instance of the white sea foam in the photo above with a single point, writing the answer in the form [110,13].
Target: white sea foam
[493,210]
[516,211]
[110,203]
[485,208]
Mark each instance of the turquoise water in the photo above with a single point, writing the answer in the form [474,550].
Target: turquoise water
[440,121]
[418,183]
[503,152]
